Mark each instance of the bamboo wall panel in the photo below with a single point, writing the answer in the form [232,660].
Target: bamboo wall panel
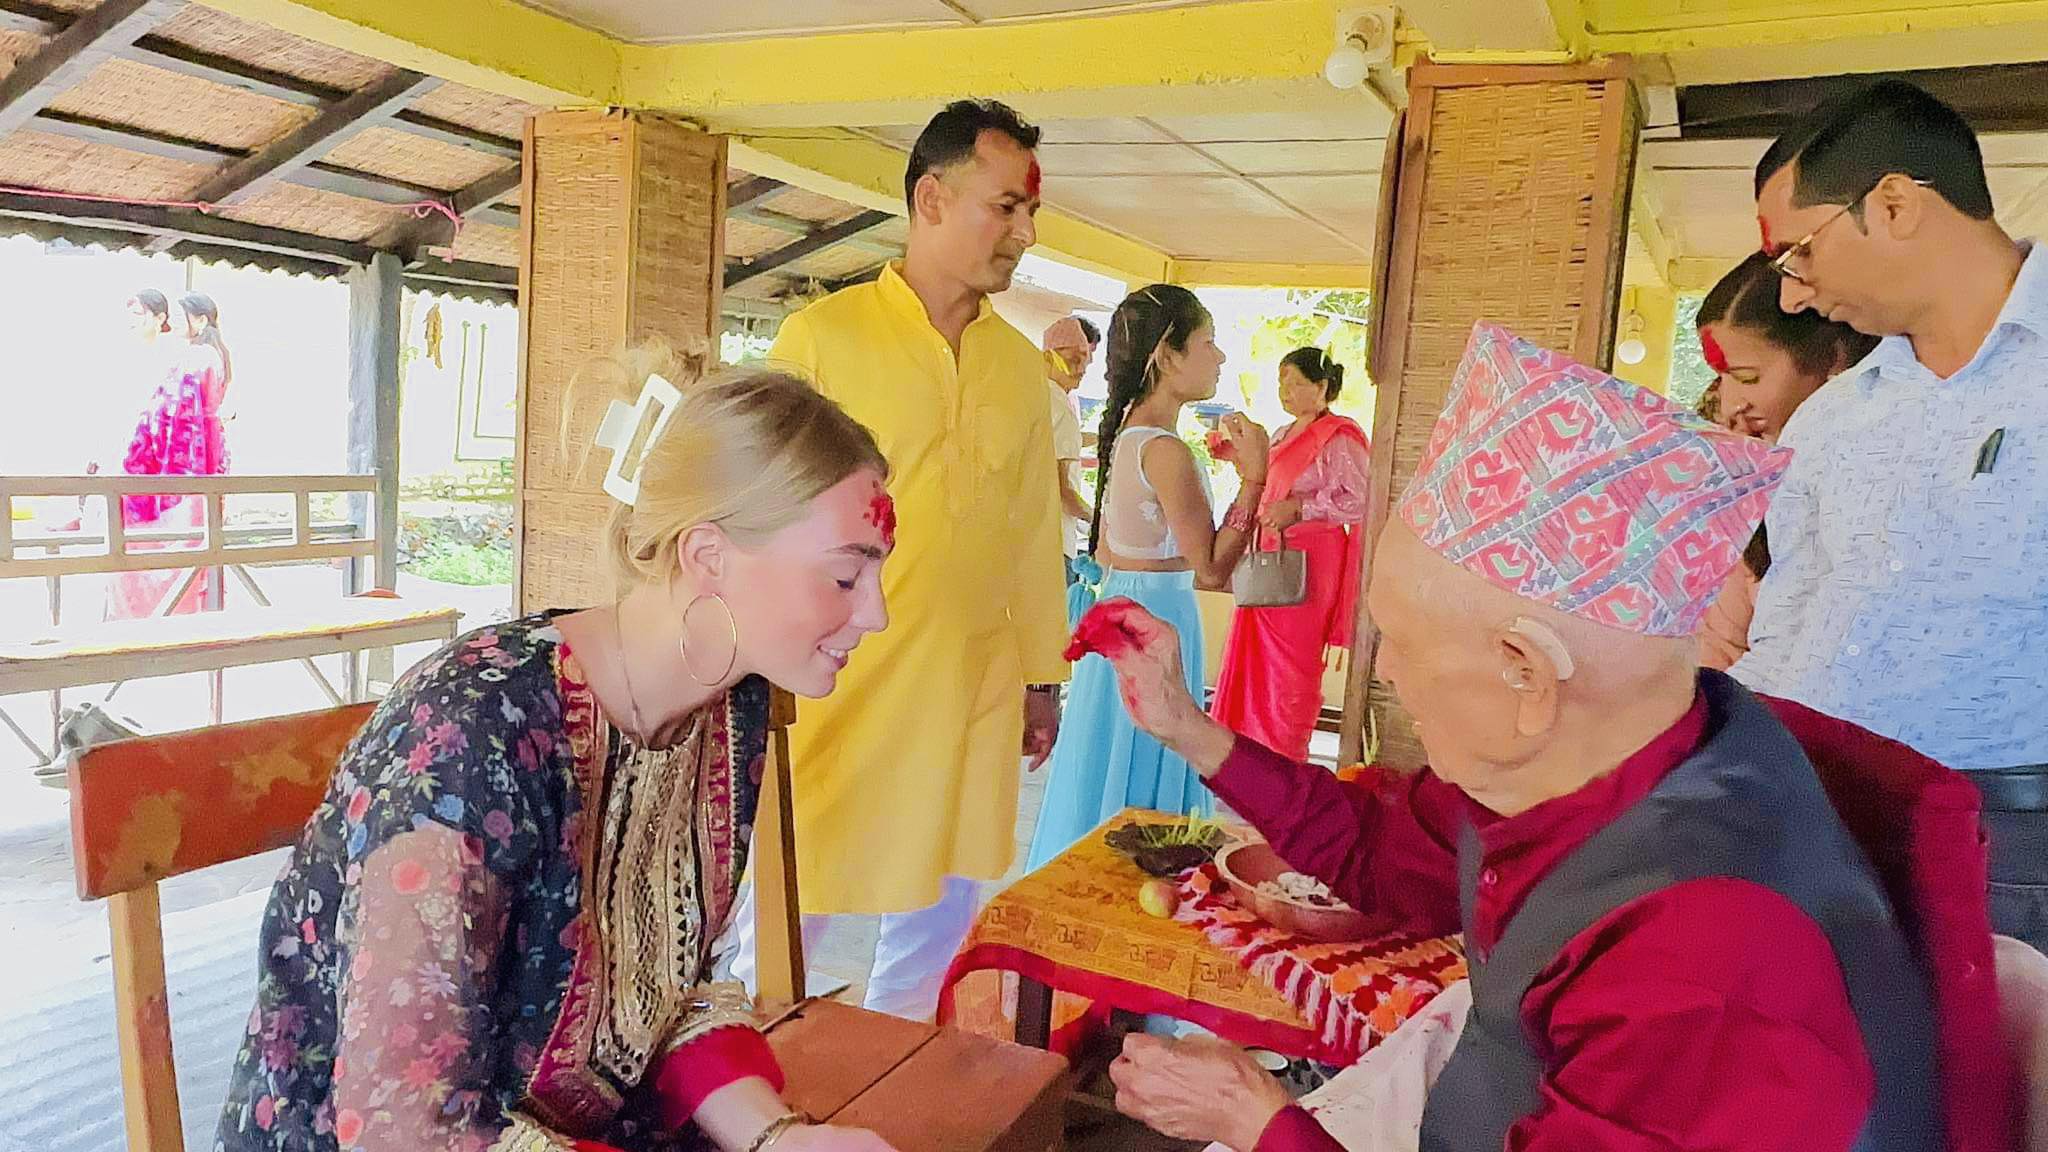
[621,240]
[1511,207]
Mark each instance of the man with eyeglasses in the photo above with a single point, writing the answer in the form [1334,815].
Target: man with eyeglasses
[1909,584]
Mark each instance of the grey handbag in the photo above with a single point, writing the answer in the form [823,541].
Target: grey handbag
[1270,579]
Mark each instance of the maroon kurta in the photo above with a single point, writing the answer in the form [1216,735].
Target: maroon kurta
[1708,1015]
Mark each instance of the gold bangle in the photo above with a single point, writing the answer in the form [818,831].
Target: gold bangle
[775,1128]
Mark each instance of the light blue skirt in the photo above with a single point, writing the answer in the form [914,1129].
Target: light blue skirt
[1102,764]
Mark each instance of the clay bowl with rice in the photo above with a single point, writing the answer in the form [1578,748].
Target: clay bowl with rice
[1265,886]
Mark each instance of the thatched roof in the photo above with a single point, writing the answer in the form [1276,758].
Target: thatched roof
[314,158]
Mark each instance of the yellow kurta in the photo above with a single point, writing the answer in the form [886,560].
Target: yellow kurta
[908,772]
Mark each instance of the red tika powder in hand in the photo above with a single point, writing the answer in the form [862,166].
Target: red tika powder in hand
[1103,631]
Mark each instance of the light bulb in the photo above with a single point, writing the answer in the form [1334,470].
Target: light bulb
[1347,67]
[1631,351]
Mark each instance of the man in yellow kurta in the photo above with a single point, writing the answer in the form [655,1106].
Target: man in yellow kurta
[905,778]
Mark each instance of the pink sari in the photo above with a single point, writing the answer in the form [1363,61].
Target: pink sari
[180,434]
[1271,684]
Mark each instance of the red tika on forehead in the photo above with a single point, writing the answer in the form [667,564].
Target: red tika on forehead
[1710,351]
[882,514]
[1763,232]
[1032,179]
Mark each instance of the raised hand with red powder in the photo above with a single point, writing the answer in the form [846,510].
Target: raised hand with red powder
[1145,652]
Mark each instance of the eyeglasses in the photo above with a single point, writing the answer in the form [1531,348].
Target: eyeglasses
[1802,248]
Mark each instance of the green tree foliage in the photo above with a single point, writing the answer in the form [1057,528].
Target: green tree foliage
[1689,372]
[1331,319]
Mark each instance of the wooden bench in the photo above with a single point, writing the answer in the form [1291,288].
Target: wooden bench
[54,659]
[64,656]
[147,809]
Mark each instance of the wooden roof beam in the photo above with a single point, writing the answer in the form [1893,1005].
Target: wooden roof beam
[165,222]
[438,231]
[73,53]
[826,237]
[323,176]
[304,145]
[751,189]
[793,226]
[158,52]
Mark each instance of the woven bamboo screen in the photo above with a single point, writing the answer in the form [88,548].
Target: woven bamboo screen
[1509,205]
[622,243]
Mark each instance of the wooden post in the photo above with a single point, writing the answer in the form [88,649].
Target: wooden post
[375,338]
[142,1022]
[780,972]
[1509,195]
[622,220]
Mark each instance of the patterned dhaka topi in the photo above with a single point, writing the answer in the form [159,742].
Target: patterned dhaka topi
[1579,491]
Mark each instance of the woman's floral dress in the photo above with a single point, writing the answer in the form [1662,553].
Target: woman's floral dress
[437,971]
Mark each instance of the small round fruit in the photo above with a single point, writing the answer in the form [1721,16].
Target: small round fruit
[1158,898]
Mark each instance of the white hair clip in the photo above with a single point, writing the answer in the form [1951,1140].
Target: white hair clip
[621,431]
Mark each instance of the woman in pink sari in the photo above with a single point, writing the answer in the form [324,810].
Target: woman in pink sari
[1271,686]
[180,434]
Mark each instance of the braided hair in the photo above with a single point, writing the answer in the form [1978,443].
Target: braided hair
[1152,318]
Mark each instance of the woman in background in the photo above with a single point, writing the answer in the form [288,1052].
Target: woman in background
[1153,531]
[1766,363]
[1271,686]
[180,434]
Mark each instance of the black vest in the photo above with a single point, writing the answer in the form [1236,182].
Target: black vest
[1746,805]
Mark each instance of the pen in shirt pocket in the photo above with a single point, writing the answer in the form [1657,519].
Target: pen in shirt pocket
[1987,453]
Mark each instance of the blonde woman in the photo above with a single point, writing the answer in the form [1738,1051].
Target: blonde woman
[495,932]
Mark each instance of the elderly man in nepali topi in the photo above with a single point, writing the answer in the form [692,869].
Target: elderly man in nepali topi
[1674,941]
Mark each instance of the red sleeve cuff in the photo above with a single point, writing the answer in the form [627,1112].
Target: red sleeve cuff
[1292,1129]
[719,1057]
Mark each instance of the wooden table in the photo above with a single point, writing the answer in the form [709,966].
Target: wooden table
[921,1087]
[1074,928]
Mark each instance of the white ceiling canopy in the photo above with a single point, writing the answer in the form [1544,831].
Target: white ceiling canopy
[677,21]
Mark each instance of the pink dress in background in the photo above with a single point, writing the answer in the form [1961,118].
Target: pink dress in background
[1271,685]
[180,434]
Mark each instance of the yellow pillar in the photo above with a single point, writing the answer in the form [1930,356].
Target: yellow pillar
[1647,313]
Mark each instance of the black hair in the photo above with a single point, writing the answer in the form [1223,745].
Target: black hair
[1747,298]
[1781,152]
[1089,330]
[201,305]
[1846,146]
[951,135]
[1154,317]
[1756,555]
[156,304]
[1317,365]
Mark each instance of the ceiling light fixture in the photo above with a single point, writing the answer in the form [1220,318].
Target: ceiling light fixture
[1365,40]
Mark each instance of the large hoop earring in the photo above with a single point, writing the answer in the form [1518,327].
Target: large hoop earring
[732,627]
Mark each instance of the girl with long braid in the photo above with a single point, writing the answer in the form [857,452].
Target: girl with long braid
[1154,533]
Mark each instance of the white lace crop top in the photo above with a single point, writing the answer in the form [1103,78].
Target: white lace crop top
[1133,524]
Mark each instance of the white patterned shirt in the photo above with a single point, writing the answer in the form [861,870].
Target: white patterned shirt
[1908,589]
